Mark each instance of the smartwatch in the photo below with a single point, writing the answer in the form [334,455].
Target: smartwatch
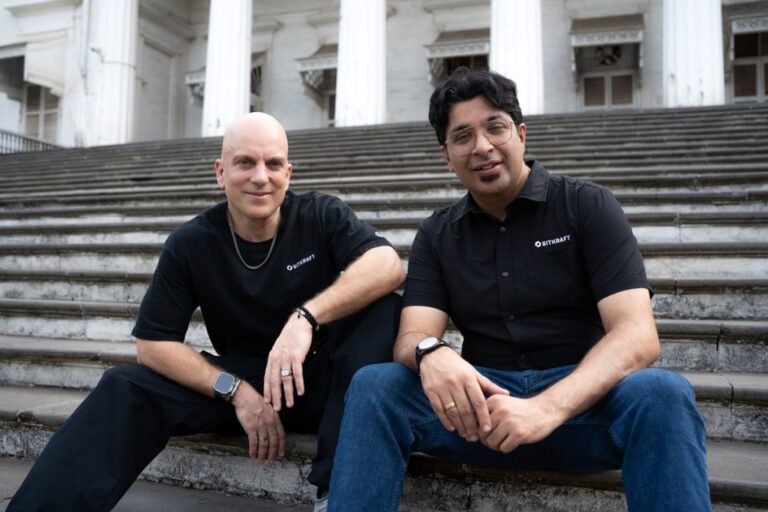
[225,386]
[426,346]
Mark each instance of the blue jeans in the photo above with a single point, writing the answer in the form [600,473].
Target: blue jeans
[648,426]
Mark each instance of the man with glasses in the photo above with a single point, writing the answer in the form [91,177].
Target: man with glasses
[542,276]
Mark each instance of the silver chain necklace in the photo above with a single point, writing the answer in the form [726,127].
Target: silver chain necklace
[237,249]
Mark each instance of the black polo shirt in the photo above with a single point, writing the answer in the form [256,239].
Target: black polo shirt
[524,292]
[245,310]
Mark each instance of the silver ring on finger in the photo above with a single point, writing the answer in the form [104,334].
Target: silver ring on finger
[286,373]
[263,439]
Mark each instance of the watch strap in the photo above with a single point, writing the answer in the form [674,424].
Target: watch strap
[420,353]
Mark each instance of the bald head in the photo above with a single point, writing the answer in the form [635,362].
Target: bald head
[255,173]
[256,126]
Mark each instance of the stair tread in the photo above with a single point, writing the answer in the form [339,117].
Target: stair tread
[735,468]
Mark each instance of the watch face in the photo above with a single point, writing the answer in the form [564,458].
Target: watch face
[428,343]
[224,383]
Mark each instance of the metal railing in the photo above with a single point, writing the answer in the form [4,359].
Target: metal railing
[11,142]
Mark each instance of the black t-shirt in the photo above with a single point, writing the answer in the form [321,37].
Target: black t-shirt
[245,310]
[524,292]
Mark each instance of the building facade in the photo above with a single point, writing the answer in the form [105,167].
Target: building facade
[90,72]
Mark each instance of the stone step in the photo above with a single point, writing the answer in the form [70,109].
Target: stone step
[405,186]
[82,320]
[202,175]
[373,205]
[576,153]
[605,139]
[735,299]
[637,125]
[684,298]
[687,344]
[155,496]
[723,226]
[557,154]
[737,478]
[417,182]
[662,260]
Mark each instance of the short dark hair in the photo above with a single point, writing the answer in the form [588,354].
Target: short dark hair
[465,84]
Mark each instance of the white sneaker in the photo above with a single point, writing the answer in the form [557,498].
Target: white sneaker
[321,504]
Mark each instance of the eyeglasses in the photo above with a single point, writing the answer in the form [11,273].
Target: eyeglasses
[497,131]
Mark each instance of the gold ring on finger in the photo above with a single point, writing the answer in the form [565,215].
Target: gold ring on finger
[450,406]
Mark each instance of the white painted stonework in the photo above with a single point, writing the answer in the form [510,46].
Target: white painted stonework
[182,68]
[227,67]
[693,58]
[516,49]
[361,82]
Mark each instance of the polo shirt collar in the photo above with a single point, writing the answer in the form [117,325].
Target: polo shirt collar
[535,189]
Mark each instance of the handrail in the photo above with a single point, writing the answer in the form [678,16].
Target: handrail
[11,142]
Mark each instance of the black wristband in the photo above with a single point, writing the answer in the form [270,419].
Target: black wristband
[302,311]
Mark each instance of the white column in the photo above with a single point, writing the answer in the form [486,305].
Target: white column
[361,81]
[112,70]
[227,66]
[693,53]
[516,49]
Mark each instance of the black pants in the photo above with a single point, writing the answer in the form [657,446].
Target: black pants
[129,416]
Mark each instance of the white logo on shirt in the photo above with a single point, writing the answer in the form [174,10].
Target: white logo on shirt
[552,241]
[301,262]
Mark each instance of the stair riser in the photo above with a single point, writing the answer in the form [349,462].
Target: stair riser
[364,188]
[726,304]
[713,356]
[392,205]
[676,356]
[730,305]
[71,376]
[83,327]
[752,267]
[131,292]
[95,218]
[737,421]
[692,266]
[696,352]
[83,262]
[404,236]
[69,327]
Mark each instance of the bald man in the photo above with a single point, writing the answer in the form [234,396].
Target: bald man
[296,295]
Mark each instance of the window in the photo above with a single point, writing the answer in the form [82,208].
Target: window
[331,109]
[41,113]
[608,74]
[608,90]
[594,91]
[256,81]
[750,66]
[330,96]
[745,80]
[621,89]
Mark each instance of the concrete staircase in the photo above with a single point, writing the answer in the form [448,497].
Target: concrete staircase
[80,232]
